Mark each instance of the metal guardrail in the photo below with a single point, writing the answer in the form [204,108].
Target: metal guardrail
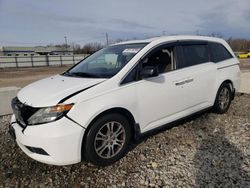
[42,60]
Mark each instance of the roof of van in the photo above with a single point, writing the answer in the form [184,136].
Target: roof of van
[174,38]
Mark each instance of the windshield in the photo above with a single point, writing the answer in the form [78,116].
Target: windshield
[106,62]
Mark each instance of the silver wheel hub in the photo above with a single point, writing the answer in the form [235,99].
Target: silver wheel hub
[224,98]
[109,139]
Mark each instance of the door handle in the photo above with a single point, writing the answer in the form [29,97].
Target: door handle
[186,81]
[189,80]
[180,83]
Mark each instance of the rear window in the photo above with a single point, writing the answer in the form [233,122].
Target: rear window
[219,52]
[195,54]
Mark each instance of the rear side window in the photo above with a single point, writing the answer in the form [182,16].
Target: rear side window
[195,54]
[219,52]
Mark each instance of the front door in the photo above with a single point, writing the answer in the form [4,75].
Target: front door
[161,99]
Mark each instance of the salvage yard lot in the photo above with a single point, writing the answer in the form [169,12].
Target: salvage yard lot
[205,151]
[210,150]
[23,76]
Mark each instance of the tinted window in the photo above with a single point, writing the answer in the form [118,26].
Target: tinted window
[219,52]
[195,54]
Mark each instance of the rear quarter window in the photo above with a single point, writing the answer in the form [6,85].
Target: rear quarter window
[195,54]
[219,52]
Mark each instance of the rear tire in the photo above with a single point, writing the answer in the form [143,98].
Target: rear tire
[223,99]
[107,139]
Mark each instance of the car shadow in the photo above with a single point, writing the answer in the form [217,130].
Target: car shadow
[218,163]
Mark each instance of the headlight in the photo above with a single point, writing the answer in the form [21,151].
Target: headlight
[48,114]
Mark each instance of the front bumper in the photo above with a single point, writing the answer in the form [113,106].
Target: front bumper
[61,141]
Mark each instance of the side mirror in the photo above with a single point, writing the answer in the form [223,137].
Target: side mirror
[149,71]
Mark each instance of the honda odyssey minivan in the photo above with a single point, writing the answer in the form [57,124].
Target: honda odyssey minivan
[96,108]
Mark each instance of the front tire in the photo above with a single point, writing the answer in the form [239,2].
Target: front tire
[107,139]
[223,99]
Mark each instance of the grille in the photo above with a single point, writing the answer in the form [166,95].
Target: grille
[22,112]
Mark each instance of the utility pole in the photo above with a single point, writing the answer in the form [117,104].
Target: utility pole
[107,39]
[66,42]
[163,32]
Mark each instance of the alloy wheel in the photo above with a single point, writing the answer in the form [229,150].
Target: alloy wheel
[110,139]
[224,98]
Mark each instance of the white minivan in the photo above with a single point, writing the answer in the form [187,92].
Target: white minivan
[96,108]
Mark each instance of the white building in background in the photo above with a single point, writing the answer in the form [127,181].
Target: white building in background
[37,50]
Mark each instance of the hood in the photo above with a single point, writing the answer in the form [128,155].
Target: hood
[51,90]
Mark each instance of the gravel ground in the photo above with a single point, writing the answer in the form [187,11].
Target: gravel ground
[205,151]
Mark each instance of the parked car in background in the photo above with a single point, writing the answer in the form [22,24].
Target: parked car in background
[96,108]
[244,55]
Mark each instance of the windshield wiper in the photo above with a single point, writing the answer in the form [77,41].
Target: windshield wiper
[82,74]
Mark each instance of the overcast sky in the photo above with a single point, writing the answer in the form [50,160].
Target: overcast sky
[41,22]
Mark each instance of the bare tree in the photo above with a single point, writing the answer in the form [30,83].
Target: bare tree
[239,45]
[88,48]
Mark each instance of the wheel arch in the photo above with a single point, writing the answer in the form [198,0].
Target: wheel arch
[134,126]
[230,82]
